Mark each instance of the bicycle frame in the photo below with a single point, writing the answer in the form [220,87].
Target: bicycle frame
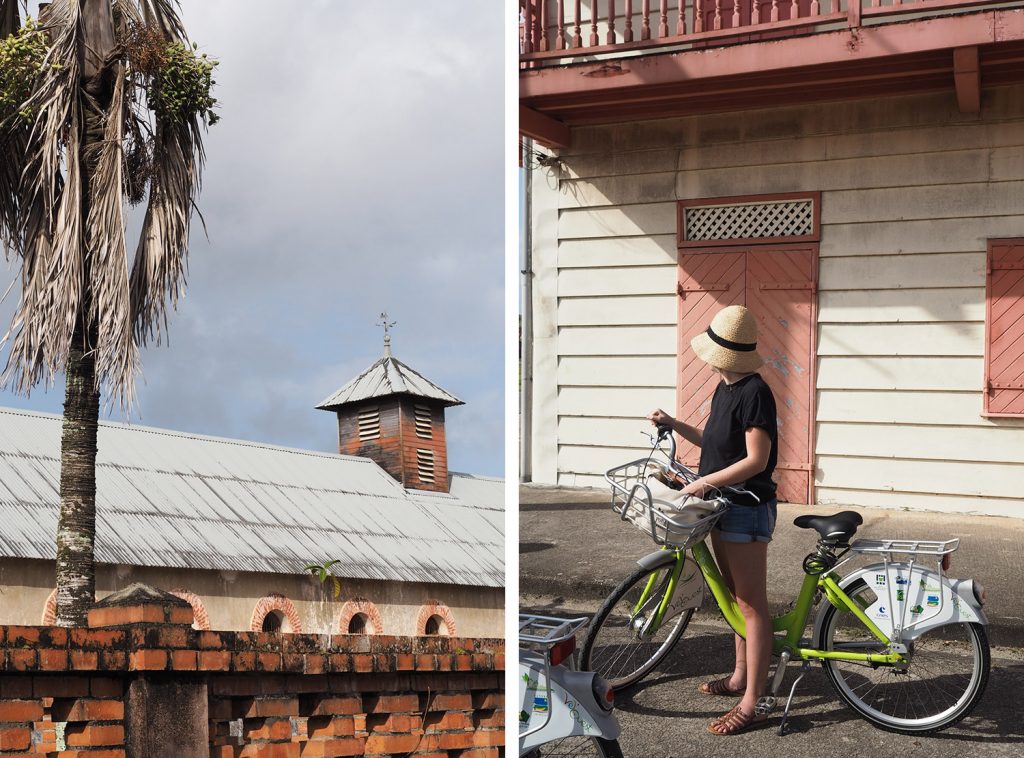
[790,624]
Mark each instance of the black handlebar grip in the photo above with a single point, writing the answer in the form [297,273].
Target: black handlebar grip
[664,430]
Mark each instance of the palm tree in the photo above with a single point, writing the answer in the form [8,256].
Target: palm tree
[106,102]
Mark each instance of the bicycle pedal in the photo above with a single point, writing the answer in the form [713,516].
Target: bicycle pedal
[765,705]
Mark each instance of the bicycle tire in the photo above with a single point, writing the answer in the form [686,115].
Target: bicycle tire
[578,747]
[962,645]
[609,663]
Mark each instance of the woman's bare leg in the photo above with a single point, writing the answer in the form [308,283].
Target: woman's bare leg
[748,567]
[738,680]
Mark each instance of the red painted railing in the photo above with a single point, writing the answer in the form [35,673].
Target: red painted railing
[555,32]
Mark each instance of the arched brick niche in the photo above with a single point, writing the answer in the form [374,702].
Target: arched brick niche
[284,617]
[360,616]
[202,621]
[435,618]
[50,609]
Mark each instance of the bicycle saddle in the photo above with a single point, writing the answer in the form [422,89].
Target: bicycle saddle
[839,527]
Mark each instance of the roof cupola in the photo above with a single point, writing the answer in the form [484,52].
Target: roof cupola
[395,416]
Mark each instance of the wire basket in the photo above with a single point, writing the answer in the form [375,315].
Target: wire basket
[663,514]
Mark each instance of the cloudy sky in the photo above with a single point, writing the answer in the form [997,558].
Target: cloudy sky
[357,168]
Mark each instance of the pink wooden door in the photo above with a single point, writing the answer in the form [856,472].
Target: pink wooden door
[707,283]
[778,284]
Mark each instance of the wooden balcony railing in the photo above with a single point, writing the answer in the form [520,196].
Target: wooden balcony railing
[557,32]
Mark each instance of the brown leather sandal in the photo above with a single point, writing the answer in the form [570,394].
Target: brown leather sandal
[735,721]
[720,687]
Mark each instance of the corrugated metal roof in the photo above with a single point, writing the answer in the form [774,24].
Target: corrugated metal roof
[179,500]
[388,376]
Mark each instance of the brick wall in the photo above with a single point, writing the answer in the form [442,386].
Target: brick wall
[142,682]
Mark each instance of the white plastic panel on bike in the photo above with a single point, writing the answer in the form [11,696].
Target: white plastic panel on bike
[689,591]
[914,599]
[549,713]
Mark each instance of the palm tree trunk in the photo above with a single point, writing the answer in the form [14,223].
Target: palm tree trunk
[76,532]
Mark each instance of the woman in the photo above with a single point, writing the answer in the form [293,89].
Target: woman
[739,446]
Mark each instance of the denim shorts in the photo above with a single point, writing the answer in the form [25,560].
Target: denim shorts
[747,523]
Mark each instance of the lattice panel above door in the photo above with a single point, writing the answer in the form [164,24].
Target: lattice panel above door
[738,220]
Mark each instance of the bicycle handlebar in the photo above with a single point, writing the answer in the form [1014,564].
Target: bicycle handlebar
[666,432]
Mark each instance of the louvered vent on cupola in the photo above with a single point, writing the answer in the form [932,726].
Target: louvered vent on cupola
[395,416]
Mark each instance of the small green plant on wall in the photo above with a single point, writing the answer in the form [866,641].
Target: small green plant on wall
[323,573]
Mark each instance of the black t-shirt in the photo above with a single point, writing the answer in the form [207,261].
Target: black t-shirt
[734,409]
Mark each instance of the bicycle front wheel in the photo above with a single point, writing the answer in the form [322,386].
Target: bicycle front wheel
[581,747]
[946,676]
[619,645]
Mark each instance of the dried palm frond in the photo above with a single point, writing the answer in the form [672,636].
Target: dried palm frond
[87,150]
[107,269]
[53,249]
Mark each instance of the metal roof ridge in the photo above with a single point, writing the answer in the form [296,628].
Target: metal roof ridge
[192,435]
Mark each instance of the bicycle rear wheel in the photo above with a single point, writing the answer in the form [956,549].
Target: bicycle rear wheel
[581,747]
[944,680]
[616,645]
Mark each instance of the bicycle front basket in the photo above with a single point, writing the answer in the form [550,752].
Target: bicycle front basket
[670,518]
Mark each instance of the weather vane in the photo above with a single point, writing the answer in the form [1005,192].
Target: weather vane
[387,331]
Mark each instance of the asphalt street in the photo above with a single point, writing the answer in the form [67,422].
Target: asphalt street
[573,550]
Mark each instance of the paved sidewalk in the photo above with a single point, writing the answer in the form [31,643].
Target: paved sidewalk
[572,546]
[573,550]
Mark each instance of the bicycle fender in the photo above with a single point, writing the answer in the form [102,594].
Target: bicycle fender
[570,709]
[657,559]
[912,600]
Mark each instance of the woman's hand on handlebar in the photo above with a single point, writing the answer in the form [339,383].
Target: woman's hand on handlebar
[658,417]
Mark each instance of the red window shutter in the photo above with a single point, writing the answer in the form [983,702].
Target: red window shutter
[1004,329]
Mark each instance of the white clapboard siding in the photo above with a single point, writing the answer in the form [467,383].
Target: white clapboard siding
[940,408]
[873,116]
[901,306]
[618,190]
[636,220]
[953,168]
[958,373]
[946,235]
[614,402]
[597,460]
[893,142]
[617,371]
[659,250]
[613,432]
[948,477]
[636,280]
[878,272]
[646,309]
[936,443]
[963,338]
[1013,506]
[617,340]
[941,201]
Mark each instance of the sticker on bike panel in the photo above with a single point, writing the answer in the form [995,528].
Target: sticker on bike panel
[540,705]
[912,599]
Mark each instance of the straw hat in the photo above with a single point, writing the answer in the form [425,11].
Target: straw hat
[730,343]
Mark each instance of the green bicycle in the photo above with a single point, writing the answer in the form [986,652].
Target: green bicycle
[903,645]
